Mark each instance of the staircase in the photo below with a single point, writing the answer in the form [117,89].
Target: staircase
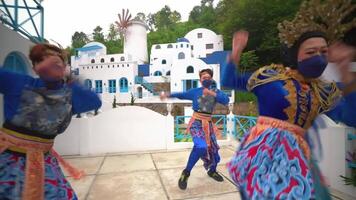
[148,86]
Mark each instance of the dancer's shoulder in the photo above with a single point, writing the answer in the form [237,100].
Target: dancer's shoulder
[267,74]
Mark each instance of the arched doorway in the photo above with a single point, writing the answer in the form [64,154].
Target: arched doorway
[16,62]
[139,91]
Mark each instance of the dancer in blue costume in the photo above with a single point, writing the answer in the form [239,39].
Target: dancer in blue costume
[201,126]
[36,111]
[274,160]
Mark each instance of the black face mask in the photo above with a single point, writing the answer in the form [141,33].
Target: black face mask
[312,67]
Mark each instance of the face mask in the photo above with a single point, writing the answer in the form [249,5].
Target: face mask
[207,83]
[312,67]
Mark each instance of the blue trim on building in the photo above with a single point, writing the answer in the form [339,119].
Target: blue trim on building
[218,57]
[183,40]
[144,70]
[89,48]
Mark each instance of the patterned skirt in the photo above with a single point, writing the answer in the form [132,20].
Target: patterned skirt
[212,157]
[12,176]
[273,164]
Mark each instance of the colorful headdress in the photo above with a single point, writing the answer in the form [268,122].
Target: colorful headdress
[326,16]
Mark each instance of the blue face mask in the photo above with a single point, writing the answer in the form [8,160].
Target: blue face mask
[312,67]
[207,83]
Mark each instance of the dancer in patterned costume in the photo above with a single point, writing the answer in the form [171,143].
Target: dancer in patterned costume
[36,111]
[201,126]
[274,160]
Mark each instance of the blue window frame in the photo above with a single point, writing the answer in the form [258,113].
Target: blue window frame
[190,69]
[112,86]
[98,86]
[181,55]
[88,84]
[15,62]
[189,84]
[157,73]
[123,85]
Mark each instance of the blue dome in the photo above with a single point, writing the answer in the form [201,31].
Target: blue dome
[182,40]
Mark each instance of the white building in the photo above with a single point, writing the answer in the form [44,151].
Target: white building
[177,63]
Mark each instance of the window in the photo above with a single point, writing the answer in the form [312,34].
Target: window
[170,46]
[158,46]
[187,45]
[200,35]
[192,47]
[123,85]
[181,45]
[112,59]
[98,86]
[164,62]
[122,58]
[92,61]
[128,65]
[112,86]
[88,84]
[102,60]
[209,46]
[157,73]
[168,73]
[190,69]
[181,55]
[189,84]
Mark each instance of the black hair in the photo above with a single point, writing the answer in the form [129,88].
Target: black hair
[209,71]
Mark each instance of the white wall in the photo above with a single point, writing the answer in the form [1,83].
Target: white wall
[199,44]
[179,72]
[168,54]
[123,129]
[335,145]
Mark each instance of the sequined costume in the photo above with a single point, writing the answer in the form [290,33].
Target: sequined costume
[274,160]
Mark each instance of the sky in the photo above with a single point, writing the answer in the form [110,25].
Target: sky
[64,17]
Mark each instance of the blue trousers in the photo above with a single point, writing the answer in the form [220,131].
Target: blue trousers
[200,150]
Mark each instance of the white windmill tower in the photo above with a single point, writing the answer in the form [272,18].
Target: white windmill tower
[135,37]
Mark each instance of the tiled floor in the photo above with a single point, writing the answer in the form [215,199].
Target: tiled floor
[152,176]
[149,176]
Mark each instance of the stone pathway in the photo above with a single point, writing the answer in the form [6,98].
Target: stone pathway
[149,176]
[152,176]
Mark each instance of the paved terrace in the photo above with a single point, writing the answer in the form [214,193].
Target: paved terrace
[152,175]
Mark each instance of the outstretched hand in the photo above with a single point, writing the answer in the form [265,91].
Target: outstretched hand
[342,55]
[163,95]
[239,43]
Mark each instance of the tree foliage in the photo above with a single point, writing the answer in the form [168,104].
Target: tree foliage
[259,17]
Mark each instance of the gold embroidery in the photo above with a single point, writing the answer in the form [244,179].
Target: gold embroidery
[323,95]
[291,110]
[270,73]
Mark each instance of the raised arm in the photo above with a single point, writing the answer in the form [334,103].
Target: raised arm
[345,110]
[183,95]
[11,81]
[84,100]
[230,77]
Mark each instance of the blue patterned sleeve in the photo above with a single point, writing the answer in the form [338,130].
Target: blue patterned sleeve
[84,100]
[10,81]
[222,98]
[231,79]
[345,110]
